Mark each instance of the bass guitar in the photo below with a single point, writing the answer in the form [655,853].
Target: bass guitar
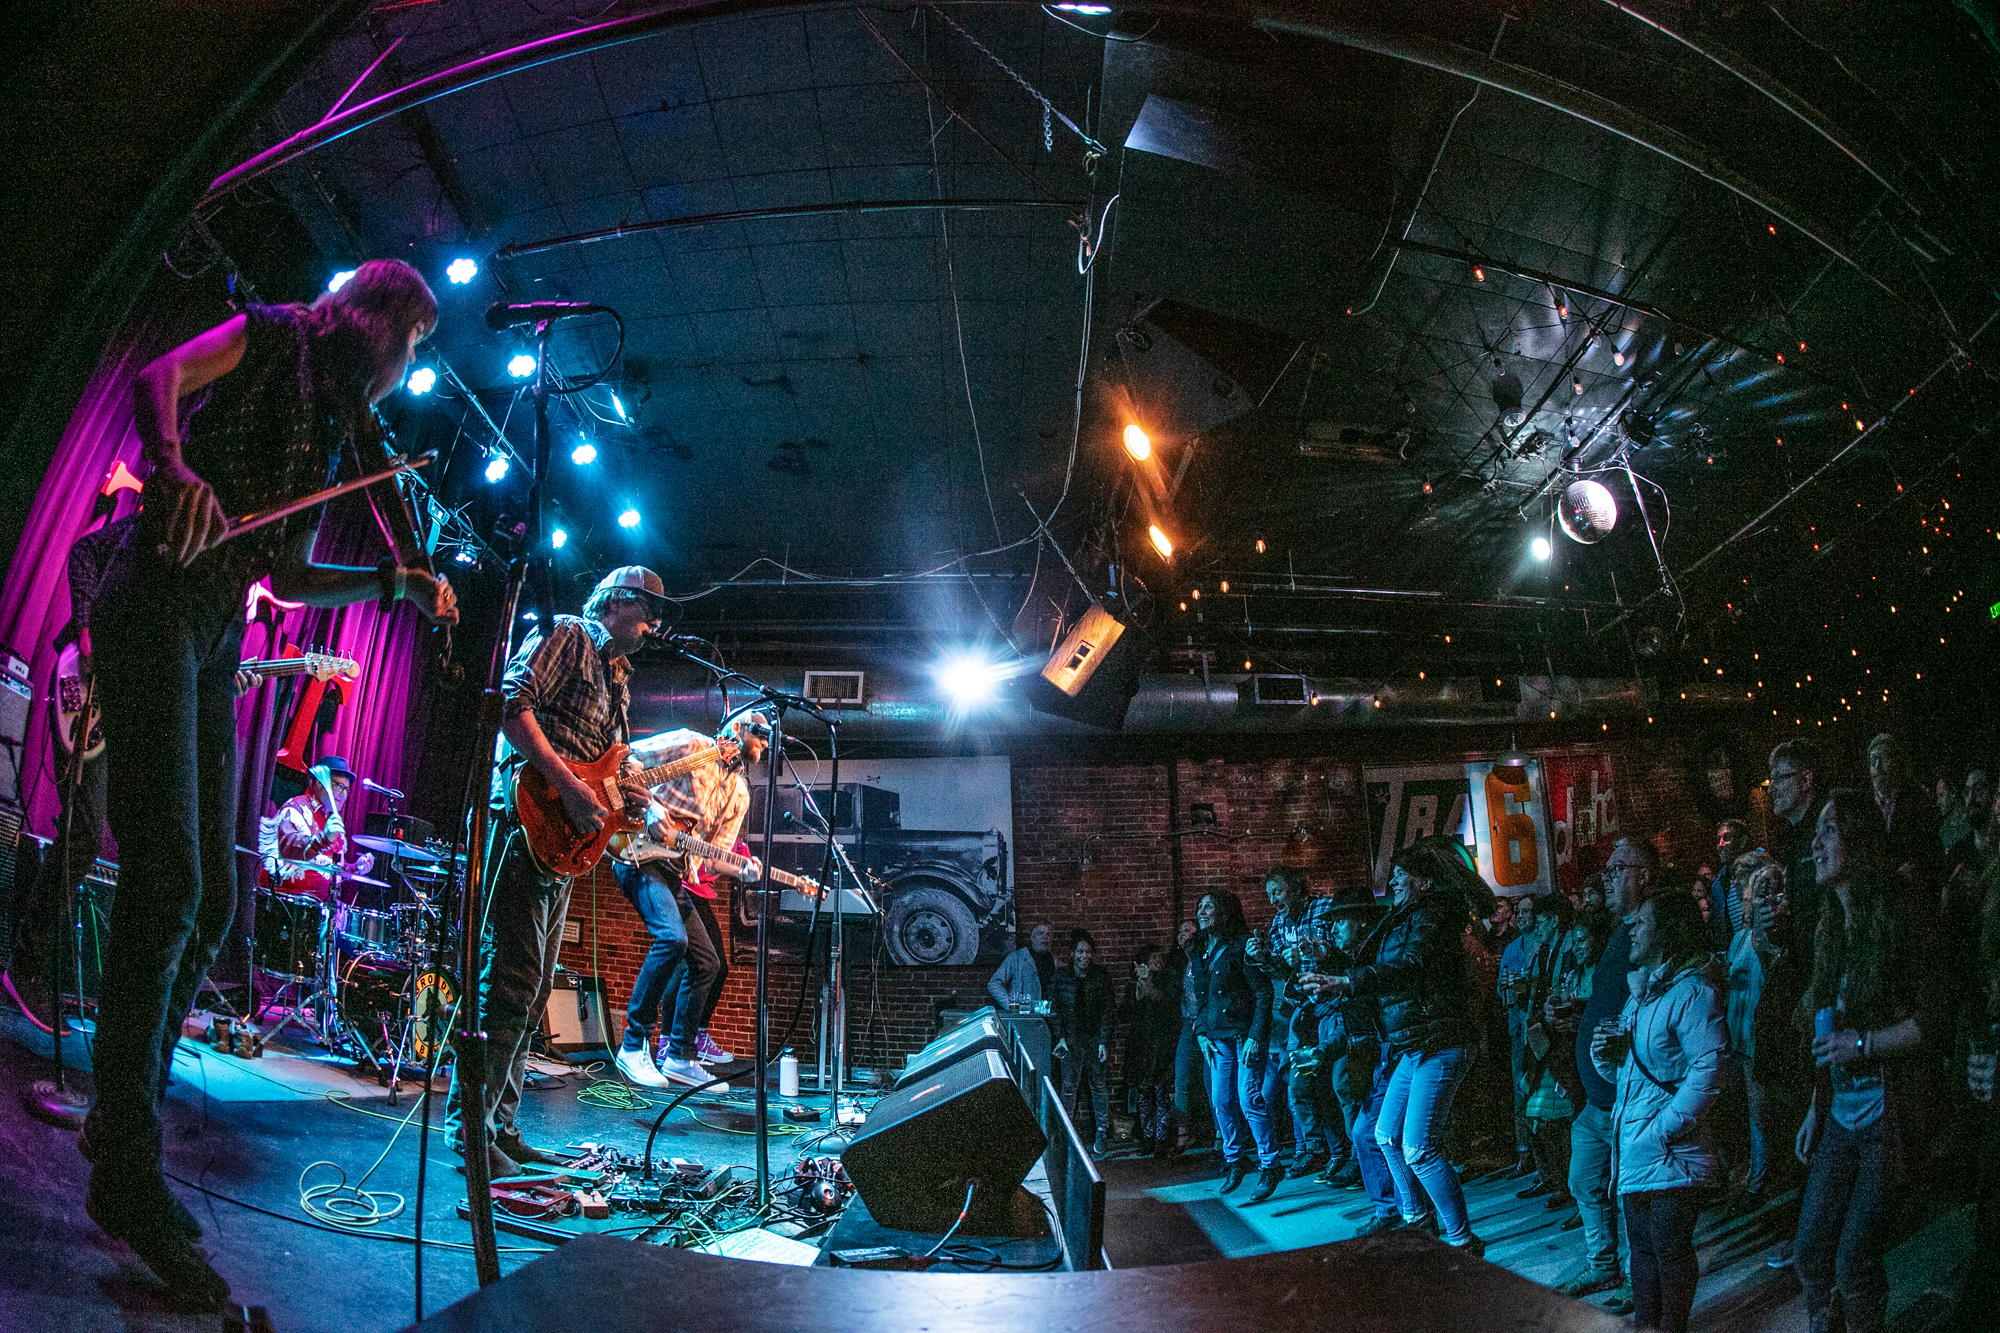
[555,843]
[639,848]
[72,685]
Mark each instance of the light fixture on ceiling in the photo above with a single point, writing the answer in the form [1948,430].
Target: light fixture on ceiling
[422,380]
[496,467]
[583,454]
[629,519]
[339,279]
[521,365]
[1137,442]
[1514,756]
[1540,547]
[559,539]
[1161,541]
[462,270]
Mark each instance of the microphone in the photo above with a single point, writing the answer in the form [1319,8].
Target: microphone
[506,314]
[380,790]
[666,640]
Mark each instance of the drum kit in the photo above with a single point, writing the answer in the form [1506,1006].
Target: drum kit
[359,980]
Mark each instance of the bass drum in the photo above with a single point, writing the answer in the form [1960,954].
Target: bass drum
[373,989]
[433,1002]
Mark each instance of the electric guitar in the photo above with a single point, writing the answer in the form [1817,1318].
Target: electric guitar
[639,848]
[72,686]
[555,843]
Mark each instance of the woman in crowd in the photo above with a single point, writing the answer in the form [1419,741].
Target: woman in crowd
[1233,1001]
[1548,1063]
[1665,1053]
[1414,968]
[1872,1003]
[1152,1021]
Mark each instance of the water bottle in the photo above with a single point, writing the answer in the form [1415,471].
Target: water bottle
[788,1074]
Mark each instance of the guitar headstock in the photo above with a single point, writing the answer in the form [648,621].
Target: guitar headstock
[325,666]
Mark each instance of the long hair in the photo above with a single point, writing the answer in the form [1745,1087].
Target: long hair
[1678,927]
[363,325]
[1447,864]
[1229,921]
[1863,946]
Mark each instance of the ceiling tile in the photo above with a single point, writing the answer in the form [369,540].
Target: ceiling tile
[716,280]
[732,337]
[759,55]
[770,132]
[801,274]
[671,147]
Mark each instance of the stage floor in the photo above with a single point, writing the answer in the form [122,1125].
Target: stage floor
[248,1130]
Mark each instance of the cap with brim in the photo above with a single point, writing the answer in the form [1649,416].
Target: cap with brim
[1355,899]
[337,766]
[635,578]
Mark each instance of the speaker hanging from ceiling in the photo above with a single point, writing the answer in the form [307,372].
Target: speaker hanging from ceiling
[1190,369]
[1093,673]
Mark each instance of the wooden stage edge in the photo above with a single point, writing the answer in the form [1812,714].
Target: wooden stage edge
[1380,1284]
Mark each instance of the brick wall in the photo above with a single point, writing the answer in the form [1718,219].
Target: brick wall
[1092,849]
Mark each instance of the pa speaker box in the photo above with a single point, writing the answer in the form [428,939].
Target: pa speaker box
[17,699]
[967,1124]
[575,1021]
[984,1033]
[1190,369]
[1093,674]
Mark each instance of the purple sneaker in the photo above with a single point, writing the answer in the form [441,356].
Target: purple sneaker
[706,1051]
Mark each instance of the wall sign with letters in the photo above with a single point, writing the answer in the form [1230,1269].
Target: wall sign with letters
[1501,813]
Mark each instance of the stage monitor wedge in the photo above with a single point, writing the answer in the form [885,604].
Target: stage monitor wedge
[967,1124]
[985,1033]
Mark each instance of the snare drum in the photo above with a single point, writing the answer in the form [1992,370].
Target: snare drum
[362,930]
[289,929]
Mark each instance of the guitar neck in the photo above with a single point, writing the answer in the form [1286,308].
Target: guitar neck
[675,768]
[272,667]
[727,860]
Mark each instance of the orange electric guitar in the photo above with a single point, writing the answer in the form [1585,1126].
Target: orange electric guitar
[557,845]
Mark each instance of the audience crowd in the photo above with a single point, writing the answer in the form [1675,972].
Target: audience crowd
[1801,1032]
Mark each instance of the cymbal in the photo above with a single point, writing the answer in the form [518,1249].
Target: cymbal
[396,847]
[371,883]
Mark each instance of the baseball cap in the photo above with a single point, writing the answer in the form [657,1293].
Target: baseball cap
[634,578]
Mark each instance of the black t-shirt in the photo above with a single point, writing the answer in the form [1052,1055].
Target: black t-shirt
[1045,972]
[1608,993]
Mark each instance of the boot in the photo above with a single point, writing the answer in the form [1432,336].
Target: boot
[1233,1174]
[137,1212]
[1268,1180]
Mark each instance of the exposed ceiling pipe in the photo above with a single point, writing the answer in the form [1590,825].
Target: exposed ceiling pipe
[516,249]
[1532,85]
[1764,83]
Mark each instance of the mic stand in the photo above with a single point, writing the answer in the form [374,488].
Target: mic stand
[469,1036]
[57,1103]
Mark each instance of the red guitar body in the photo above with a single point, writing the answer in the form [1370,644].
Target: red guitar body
[558,847]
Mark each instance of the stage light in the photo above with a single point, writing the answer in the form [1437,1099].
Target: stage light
[530,616]
[558,539]
[968,679]
[339,280]
[1083,9]
[618,406]
[422,380]
[522,366]
[462,271]
[1541,548]
[1161,541]
[1136,443]
[629,519]
[466,557]
[583,453]
[496,467]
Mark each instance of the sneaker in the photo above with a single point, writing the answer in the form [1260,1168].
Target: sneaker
[1311,1164]
[1381,1222]
[706,1051]
[1233,1174]
[1620,1301]
[1589,1282]
[1347,1177]
[36,1003]
[1268,1180]
[1471,1245]
[1428,1222]
[1097,1145]
[684,1072]
[638,1067]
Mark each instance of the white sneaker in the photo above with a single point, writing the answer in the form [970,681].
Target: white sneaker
[638,1066]
[685,1072]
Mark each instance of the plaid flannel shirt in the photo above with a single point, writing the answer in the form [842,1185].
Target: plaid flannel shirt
[576,690]
[714,797]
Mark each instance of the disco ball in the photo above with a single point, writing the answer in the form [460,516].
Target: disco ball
[1588,513]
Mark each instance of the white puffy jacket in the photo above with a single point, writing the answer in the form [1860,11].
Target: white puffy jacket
[1675,1019]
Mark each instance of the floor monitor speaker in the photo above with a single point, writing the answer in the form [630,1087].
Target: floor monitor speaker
[985,1033]
[922,1145]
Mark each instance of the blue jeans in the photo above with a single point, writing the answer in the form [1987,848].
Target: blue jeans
[1235,1091]
[1408,1127]
[1375,1178]
[1846,1218]
[678,969]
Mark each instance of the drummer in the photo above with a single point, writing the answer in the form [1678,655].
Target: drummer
[311,830]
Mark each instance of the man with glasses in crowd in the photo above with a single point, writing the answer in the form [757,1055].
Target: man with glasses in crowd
[1795,801]
[1630,875]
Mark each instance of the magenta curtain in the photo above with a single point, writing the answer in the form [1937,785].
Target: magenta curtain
[371,730]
